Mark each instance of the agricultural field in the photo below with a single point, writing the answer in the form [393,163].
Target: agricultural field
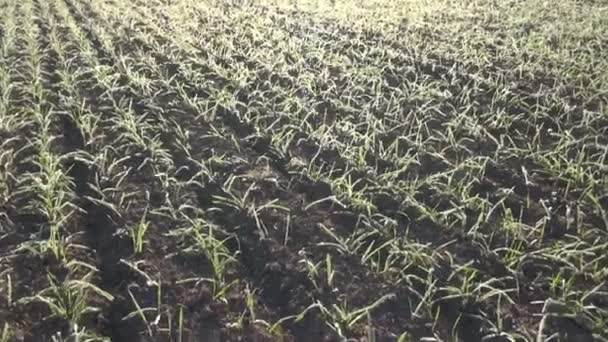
[304,170]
